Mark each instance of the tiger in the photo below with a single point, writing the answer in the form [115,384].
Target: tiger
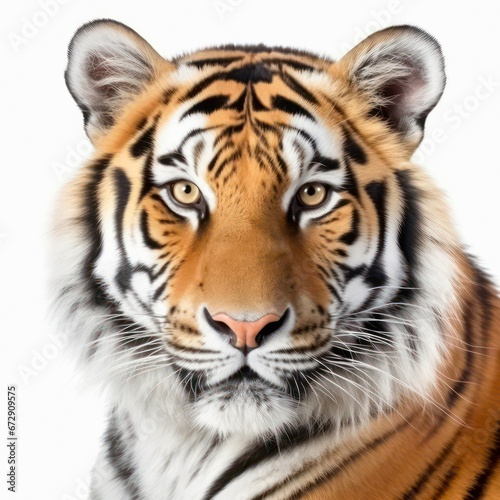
[270,292]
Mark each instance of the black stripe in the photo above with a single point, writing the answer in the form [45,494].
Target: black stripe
[144,144]
[119,458]
[352,149]
[150,242]
[207,106]
[198,152]
[215,159]
[425,477]
[308,138]
[351,272]
[227,132]
[334,292]
[342,203]
[91,221]
[409,233]
[298,88]
[257,104]
[159,291]
[352,235]
[289,106]
[122,193]
[147,176]
[324,164]
[377,192]
[154,276]
[377,326]
[350,183]
[168,95]
[141,123]
[262,452]
[265,159]
[214,61]
[481,481]
[281,163]
[200,86]
[195,132]
[445,483]
[292,63]
[239,104]
[171,159]
[230,159]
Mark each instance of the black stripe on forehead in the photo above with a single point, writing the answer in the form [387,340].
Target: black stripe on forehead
[298,88]
[214,61]
[250,73]
[172,159]
[144,144]
[291,107]
[207,106]
[352,149]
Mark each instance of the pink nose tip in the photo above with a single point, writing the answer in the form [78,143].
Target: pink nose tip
[246,331]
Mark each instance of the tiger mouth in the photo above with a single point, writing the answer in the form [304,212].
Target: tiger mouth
[244,373]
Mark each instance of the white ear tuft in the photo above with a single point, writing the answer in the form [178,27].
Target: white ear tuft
[108,64]
[401,71]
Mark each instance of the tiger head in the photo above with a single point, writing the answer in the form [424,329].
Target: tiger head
[250,246]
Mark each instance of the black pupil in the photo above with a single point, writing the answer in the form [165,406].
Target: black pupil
[311,191]
[187,188]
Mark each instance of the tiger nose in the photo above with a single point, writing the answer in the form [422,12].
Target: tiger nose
[247,335]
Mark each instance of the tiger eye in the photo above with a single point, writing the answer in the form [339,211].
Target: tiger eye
[312,194]
[186,192]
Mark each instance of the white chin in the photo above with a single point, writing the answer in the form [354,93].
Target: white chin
[250,408]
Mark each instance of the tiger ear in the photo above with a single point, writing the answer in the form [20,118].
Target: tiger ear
[401,72]
[108,65]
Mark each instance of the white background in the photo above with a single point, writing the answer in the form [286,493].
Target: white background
[59,424]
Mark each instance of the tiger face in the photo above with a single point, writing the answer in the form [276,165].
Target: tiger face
[237,250]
